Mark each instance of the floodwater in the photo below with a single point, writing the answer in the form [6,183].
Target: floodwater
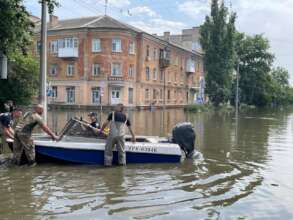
[246,173]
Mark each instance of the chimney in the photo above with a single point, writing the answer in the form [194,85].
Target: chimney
[53,20]
[167,35]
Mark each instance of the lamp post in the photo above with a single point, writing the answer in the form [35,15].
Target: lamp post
[43,61]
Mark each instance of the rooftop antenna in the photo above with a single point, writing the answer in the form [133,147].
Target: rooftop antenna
[106,6]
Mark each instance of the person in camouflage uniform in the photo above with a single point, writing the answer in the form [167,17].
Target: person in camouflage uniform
[23,142]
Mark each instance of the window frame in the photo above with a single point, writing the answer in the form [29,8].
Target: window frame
[95,42]
[117,49]
[112,68]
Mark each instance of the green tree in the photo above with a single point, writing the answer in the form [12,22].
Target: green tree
[217,40]
[15,25]
[22,82]
[280,86]
[255,65]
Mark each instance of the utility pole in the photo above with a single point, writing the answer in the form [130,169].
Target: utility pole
[237,89]
[43,61]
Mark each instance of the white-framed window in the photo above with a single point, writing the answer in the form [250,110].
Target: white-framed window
[54,46]
[147,73]
[155,74]
[116,69]
[70,70]
[53,69]
[70,94]
[96,69]
[131,70]
[54,92]
[131,49]
[96,45]
[68,42]
[116,45]
[96,95]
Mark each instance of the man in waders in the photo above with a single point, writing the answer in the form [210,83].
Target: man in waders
[118,121]
[23,143]
[6,130]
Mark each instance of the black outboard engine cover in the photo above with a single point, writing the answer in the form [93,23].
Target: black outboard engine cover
[183,134]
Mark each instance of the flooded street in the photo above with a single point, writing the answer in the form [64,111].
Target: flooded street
[246,173]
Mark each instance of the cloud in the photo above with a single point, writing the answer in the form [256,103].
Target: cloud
[194,8]
[142,11]
[158,26]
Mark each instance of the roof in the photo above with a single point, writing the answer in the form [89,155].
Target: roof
[92,22]
[103,22]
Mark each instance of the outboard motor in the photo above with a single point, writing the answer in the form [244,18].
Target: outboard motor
[183,134]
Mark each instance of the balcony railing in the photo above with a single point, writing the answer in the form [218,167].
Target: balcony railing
[68,52]
[115,78]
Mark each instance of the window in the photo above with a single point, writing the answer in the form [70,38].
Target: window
[96,69]
[131,70]
[68,43]
[96,95]
[116,45]
[116,69]
[70,70]
[169,94]
[131,49]
[155,53]
[54,46]
[38,49]
[154,94]
[96,45]
[147,95]
[155,74]
[54,92]
[147,73]
[148,51]
[70,94]
[130,95]
[161,93]
[53,70]
[161,75]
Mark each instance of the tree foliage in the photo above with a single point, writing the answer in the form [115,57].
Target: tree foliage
[217,40]
[22,82]
[15,25]
[255,65]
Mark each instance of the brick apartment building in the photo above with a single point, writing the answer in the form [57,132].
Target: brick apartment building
[99,57]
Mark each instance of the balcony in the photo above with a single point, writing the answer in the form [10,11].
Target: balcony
[164,58]
[68,52]
[117,81]
[190,66]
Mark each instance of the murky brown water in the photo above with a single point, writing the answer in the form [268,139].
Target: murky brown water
[255,182]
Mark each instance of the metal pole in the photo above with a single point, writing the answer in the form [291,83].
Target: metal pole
[101,109]
[237,90]
[43,61]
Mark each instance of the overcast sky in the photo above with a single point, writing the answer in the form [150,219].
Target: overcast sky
[273,18]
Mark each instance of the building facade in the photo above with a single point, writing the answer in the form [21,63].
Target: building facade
[101,61]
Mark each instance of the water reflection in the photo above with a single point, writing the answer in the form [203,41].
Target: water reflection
[243,186]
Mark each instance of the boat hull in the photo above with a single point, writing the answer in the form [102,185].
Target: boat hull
[93,153]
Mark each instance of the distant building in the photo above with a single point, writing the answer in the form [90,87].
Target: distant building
[190,39]
[99,57]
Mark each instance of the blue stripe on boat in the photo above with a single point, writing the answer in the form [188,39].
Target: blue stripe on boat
[97,156]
